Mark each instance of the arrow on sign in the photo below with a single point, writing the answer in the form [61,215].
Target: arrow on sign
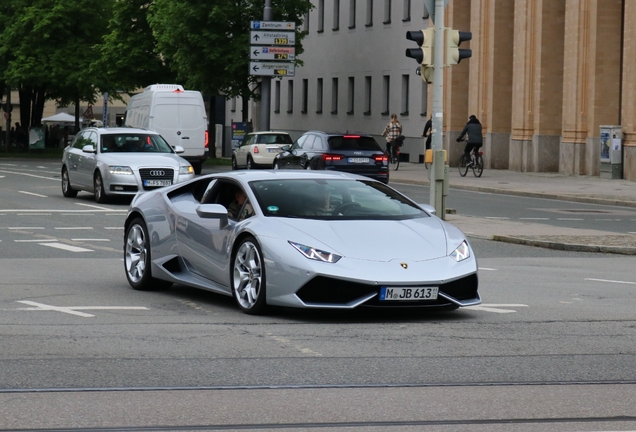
[256,37]
[255,53]
[255,68]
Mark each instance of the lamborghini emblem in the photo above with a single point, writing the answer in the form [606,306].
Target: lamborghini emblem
[404,265]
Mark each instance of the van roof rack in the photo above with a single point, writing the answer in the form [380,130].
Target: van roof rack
[164,87]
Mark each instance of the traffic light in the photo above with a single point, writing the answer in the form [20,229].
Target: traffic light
[424,55]
[453,39]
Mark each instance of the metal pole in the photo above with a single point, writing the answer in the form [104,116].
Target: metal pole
[438,168]
[8,136]
[266,82]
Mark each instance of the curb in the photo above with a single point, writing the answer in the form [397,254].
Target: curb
[622,250]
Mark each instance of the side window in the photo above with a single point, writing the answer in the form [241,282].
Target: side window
[78,142]
[249,140]
[299,142]
[319,144]
[92,139]
[309,142]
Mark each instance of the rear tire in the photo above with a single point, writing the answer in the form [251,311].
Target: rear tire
[137,259]
[276,166]
[463,169]
[250,163]
[478,168]
[234,164]
[67,190]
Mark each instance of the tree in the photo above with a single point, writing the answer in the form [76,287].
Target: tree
[208,42]
[48,47]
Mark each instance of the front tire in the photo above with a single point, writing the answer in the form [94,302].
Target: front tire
[67,190]
[137,258]
[276,166]
[249,163]
[478,169]
[98,188]
[248,277]
[463,169]
[234,164]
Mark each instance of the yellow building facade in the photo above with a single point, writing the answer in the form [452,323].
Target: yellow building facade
[543,77]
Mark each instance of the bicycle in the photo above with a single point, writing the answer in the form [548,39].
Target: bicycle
[393,154]
[476,163]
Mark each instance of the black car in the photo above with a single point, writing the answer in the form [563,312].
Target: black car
[354,153]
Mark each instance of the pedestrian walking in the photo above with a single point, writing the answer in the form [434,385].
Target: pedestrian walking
[428,127]
[474,137]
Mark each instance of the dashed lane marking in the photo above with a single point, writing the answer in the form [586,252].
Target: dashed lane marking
[492,307]
[73,228]
[25,228]
[610,281]
[89,240]
[96,207]
[66,247]
[35,240]
[73,310]
[487,269]
[535,218]
[32,193]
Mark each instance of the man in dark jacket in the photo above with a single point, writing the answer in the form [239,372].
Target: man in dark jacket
[427,132]
[475,140]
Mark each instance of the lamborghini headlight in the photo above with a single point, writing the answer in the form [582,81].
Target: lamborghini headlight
[316,254]
[186,169]
[461,253]
[119,170]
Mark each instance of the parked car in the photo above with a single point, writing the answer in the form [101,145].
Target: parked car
[121,161]
[354,153]
[301,239]
[259,149]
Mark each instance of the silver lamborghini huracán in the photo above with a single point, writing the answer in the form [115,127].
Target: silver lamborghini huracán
[298,239]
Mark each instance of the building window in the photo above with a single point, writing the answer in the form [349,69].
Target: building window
[386,94]
[319,96]
[387,12]
[321,16]
[352,14]
[405,95]
[290,97]
[424,109]
[367,95]
[334,96]
[233,105]
[406,15]
[303,108]
[369,20]
[277,96]
[425,14]
[306,22]
[336,15]
[351,95]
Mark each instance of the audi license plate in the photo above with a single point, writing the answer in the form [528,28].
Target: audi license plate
[157,182]
[358,160]
[406,293]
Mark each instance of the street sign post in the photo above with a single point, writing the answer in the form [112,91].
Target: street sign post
[266,68]
[272,53]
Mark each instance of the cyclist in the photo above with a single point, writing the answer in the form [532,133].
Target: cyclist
[475,140]
[392,131]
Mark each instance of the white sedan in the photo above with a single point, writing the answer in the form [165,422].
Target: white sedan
[259,149]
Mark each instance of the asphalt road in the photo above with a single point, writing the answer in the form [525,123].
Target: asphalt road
[551,348]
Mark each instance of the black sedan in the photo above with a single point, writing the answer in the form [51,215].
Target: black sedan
[354,153]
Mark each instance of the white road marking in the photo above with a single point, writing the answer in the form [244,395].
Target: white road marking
[537,218]
[497,218]
[96,207]
[40,167]
[32,193]
[492,307]
[487,269]
[78,214]
[570,219]
[611,281]
[69,212]
[73,310]
[67,247]
[89,240]
[2,176]
[25,228]
[31,175]
[73,228]
[113,228]
[631,232]
[34,214]
[35,241]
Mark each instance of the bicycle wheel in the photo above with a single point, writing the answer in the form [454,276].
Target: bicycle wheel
[396,156]
[463,169]
[478,166]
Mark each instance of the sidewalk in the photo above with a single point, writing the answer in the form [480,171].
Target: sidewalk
[591,190]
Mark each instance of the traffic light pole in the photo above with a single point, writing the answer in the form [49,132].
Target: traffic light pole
[266,82]
[439,170]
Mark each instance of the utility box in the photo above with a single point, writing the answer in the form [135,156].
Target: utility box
[611,161]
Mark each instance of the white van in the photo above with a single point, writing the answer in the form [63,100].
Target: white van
[177,114]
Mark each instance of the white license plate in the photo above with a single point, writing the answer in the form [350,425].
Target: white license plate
[157,182]
[407,293]
[274,150]
[358,160]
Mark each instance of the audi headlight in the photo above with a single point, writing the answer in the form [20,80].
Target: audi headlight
[316,254]
[186,169]
[120,170]
[461,253]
